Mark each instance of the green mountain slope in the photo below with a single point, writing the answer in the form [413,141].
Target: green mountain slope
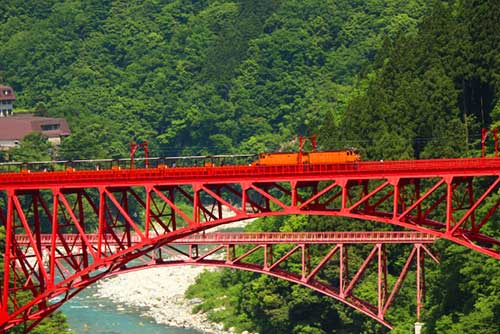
[397,79]
[192,77]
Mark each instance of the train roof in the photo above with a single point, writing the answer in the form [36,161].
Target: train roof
[329,151]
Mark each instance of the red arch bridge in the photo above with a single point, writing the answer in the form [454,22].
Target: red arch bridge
[67,229]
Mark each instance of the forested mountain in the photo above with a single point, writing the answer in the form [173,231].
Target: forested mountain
[396,79]
[431,92]
[192,76]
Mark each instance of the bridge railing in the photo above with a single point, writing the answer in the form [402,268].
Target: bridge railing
[310,237]
[125,163]
[259,237]
[236,164]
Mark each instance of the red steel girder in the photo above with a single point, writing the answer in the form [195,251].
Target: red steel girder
[452,199]
[223,252]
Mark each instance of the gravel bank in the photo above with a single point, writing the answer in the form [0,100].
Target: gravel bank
[158,293]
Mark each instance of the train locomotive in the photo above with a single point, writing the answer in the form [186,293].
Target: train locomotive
[307,158]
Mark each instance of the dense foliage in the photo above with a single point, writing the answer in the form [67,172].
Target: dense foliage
[396,79]
[431,92]
[191,76]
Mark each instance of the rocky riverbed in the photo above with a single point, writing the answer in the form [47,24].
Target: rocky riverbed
[158,293]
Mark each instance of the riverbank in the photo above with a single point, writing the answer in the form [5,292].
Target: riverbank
[158,294]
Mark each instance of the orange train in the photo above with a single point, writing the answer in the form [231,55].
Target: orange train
[308,158]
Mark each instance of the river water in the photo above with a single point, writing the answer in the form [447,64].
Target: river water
[90,315]
[87,314]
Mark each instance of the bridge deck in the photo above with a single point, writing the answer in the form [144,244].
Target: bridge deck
[446,198]
[261,237]
[369,169]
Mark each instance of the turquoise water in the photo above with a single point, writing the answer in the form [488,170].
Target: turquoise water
[87,314]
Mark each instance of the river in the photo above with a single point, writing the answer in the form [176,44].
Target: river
[87,314]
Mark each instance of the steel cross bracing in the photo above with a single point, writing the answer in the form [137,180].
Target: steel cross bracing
[453,199]
[276,254]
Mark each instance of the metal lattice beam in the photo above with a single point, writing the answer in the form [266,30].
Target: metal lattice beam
[451,199]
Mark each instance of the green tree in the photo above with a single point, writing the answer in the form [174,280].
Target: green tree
[33,147]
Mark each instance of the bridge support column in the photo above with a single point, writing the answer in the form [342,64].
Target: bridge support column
[418,327]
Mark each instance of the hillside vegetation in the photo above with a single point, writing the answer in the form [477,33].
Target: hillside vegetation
[395,79]
[192,77]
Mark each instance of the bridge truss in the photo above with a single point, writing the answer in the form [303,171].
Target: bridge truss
[282,255]
[452,199]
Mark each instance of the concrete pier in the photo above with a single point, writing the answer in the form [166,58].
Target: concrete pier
[418,327]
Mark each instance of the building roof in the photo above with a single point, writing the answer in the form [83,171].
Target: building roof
[17,127]
[6,93]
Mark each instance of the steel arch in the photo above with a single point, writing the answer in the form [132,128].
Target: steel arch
[452,199]
[339,242]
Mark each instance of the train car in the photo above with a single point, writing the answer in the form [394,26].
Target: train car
[332,157]
[271,159]
[310,158]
